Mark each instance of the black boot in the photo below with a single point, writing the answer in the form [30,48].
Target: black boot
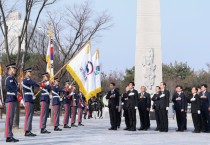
[11,139]
[44,131]
[29,134]
[66,126]
[57,129]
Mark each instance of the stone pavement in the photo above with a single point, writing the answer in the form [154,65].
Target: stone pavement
[95,132]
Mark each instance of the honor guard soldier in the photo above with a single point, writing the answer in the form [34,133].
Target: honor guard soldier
[164,106]
[67,100]
[56,91]
[179,106]
[144,105]
[28,86]
[73,105]
[132,106]
[113,97]
[195,109]
[44,102]
[11,101]
[81,106]
[125,108]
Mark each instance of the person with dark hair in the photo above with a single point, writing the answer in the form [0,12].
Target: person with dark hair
[28,86]
[179,106]
[205,108]
[156,106]
[125,108]
[195,109]
[144,105]
[119,110]
[45,102]
[164,106]
[113,97]
[11,101]
[132,105]
[56,103]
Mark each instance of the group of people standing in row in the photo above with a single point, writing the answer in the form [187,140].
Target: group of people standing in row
[131,101]
[74,102]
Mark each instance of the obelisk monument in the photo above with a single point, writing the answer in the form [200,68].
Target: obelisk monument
[148,61]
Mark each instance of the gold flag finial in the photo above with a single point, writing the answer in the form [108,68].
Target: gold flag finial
[50,30]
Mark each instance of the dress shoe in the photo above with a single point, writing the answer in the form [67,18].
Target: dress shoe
[112,128]
[29,134]
[156,129]
[57,129]
[73,125]
[66,126]
[195,131]
[126,128]
[141,128]
[80,124]
[132,129]
[44,131]
[11,139]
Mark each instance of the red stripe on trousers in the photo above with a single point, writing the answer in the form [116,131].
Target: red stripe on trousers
[65,115]
[80,115]
[26,116]
[55,114]
[8,118]
[73,115]
[42,114]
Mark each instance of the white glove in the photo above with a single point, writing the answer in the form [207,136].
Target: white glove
[167,108]
[193,99]
[199,112]
[47,83]
[136,108]
[50,96]
[34,97]
[61,99]
[163,95]
[122,103]
[70,87]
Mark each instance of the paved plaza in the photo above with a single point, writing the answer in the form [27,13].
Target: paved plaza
[95,132]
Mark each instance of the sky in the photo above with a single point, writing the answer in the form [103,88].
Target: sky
[185,26]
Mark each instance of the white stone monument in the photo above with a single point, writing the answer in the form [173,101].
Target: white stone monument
[148,61]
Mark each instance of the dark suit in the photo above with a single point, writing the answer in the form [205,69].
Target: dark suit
[195,106]
[179,107]
[143,104]
[132,103]
[113,97]
[125,108]
[156,104]
[205,104]
[163,103]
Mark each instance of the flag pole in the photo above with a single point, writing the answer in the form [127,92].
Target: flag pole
[64,66]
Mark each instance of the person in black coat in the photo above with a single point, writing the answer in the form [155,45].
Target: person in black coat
[132,106]
[144,105]
[125,108]
[195,109]
[164,106]
[205,108]
[156,106]
[113,97]
[179,106]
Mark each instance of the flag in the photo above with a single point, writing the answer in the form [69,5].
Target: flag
[97,72]
[77,68]
[49,58]
[90,78]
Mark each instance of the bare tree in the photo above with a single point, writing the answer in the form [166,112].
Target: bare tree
[24,36]
[73,28]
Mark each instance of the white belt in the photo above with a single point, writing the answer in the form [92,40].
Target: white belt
[29,93]
[56,96]
[9,93]
[45,93]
